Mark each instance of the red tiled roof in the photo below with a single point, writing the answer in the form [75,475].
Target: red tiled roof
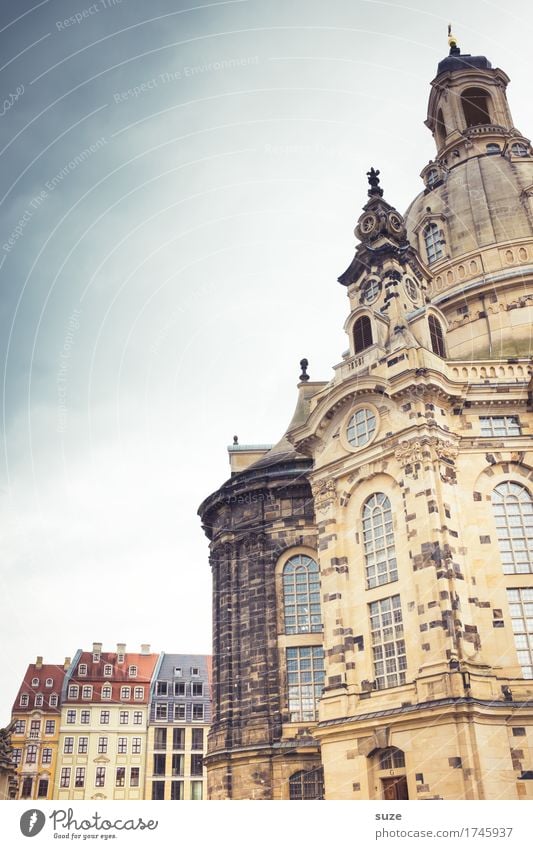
[119,678]
[56,672]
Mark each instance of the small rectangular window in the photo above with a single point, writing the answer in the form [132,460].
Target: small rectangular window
[179,688]
[500,426]
[46,756]
[197,688]
[161,710]
[68,745]
[85,717]
[71,717]
[136,746]
[179,711]
[137,717]
[50,726]
[104,717]
[83,744]
[134,776]
[122,747]
[102,745]
[65,777]
[124,717]
[197,713]
[161,688]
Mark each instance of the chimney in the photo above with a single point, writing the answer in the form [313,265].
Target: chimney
[97,649]
[39,662]
[121,650]
[145,648]
[66,664]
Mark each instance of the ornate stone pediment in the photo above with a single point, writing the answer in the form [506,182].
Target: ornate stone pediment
[324,494]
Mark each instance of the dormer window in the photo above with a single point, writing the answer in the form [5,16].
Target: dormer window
[493,149]
[132,672]
[475,102]
[432,178]
[178,672]
[53,700]
[362,334]
[82,669]
[108,669]
[49,682]
[433,242]
[34,682]
[24,699]
[519,149]
[39,700]
[73,691]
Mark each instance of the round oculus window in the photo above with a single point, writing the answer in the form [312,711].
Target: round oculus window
[411,289]
[367,223]
[361,427]
[395,222]
[371,290]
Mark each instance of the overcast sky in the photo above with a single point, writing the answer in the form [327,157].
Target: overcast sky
[179,184]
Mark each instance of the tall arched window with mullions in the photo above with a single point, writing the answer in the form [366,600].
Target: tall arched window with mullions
[513,514]
[378,541]
[433,242]
[301,595]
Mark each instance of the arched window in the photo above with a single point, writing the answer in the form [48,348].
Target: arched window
[513,513]
[493,148]
[378,540]
[475,106]
[307,784]
[301,595]
[433,240]
[362,334]
[391,758]
[436,336]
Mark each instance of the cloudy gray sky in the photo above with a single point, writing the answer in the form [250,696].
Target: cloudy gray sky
[178,188]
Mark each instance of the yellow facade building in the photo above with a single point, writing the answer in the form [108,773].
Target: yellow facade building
[373,571]
[104,720]
[35,729]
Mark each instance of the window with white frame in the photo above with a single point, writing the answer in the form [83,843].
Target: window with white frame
[521,610]
[433,243]
[138,693]
[83,745]
[65,777]
[49,682]
[107,691]
[179,688]
[305,678]
[35,728]
[104,717]
[39,700]
[301,595]
[195,671]
[125,692]
[197,688]
[71,717]
[132,671]
[124,717]
[20,726]
[120,776]
[68,745]
[197,713]
[52,701]
[34,682]
[87,692]
[79,778]
[388,644]
[500,426]
[122,748]
[136,745]
[31,754]
[82,669]
[85,717]
[512,506]
[50,726]
[102,745]
[378,541]
[73,691]
[161,688]
[46,756]
[161,710]
[137,717]
[179,712]
[16,756]
[99,778]
[134,776]
[24,700]
[178,672]
[108,669]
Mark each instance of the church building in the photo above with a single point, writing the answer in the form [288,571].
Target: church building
[373,570]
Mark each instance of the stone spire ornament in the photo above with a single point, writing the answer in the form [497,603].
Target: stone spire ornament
[373,178]
[303,365]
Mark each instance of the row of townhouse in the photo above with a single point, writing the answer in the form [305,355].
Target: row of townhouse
[113,725]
